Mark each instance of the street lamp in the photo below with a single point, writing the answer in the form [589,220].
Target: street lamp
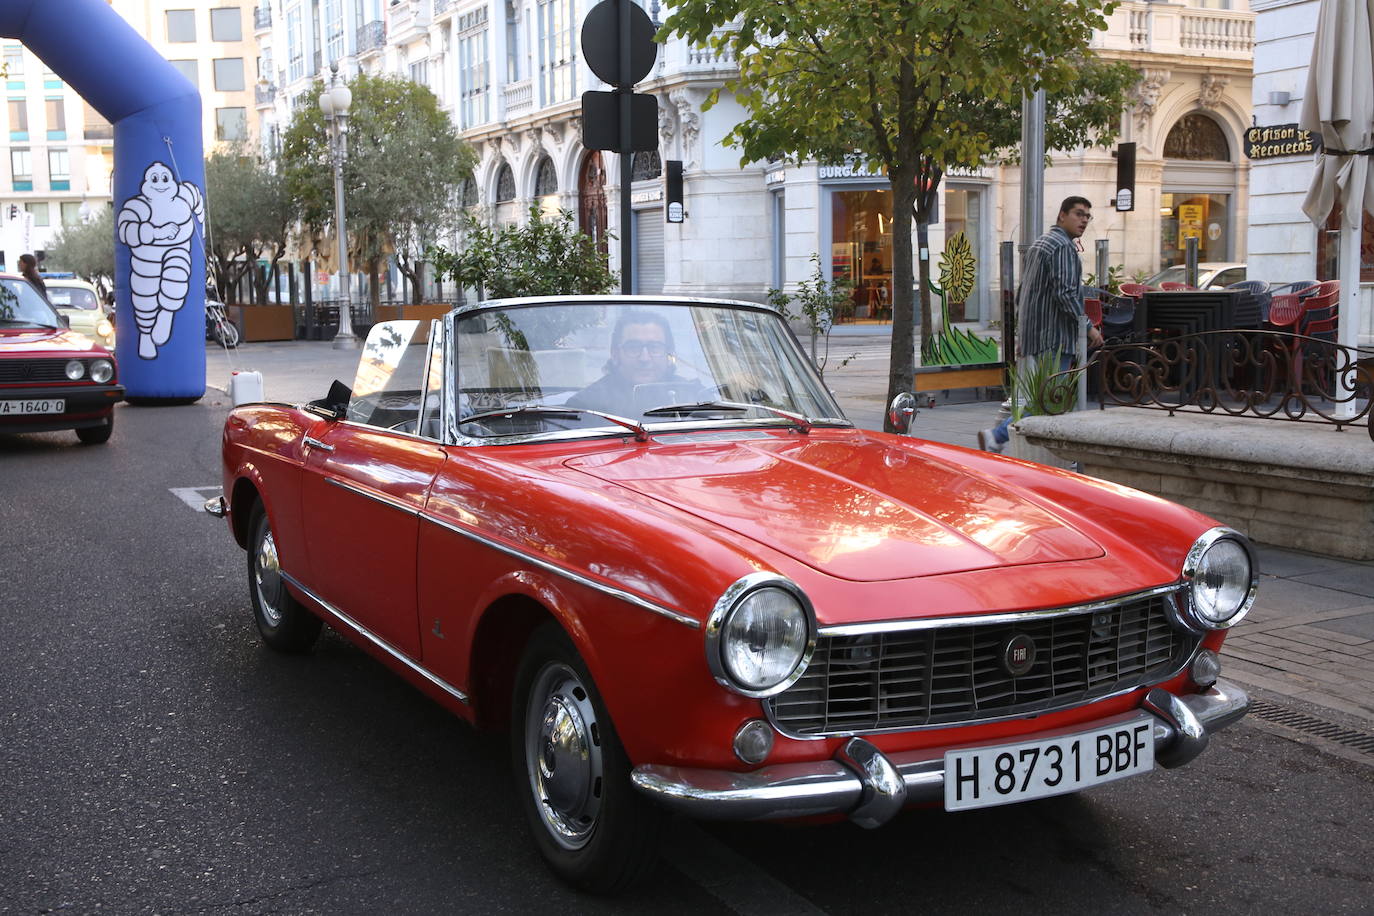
[334,104]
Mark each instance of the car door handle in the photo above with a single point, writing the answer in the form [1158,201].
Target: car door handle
[316,443]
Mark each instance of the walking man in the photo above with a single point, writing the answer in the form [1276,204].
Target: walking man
[1049,305]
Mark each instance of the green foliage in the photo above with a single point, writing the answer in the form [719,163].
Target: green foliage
[402,174]
[1116,275]
[86,249]
[815,301]
[248,216]
[548,256]
[1039,388]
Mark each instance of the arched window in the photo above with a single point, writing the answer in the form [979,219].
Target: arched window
[646,166]
[505,184]
[546,179]
[468,194]
[1198,138]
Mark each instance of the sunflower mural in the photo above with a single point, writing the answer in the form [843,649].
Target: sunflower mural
[951,346]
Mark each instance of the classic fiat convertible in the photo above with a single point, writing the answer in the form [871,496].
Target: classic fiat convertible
[640,534]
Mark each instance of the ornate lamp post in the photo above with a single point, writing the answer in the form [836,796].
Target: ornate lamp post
[334,104]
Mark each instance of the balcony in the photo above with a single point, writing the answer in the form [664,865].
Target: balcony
[517,98]
[262,18]
[704,57]
[264,95]
[1187,31]
[442,7]
[371,37]
[408,19]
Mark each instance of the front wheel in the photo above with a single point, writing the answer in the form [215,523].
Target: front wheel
[95,435]
[573,777]
[284,622]
[226,333]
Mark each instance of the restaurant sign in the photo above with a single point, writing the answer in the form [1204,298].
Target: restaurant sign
[1279,140]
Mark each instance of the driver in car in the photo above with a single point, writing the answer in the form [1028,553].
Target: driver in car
[642,371]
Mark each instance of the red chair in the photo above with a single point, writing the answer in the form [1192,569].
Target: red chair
[1093,309]
[1174,287]
[1134,290]
[1284,312]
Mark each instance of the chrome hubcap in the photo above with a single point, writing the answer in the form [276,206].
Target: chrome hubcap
[563,755]
[267,578]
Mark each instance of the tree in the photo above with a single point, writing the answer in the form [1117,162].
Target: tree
[86,249]
[248,215]
[547,256]
[901,86]
[404,167]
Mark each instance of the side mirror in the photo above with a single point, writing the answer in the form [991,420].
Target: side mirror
[900,412]
[333,405]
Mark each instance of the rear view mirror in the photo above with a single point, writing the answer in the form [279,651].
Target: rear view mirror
[900,412]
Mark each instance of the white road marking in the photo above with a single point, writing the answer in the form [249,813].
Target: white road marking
[733,880]
[194,497]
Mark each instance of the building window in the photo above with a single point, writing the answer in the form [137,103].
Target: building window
[419,72]
[1329,247]
[226,24]
[71,212]
[59,170]
[468,195]
[181,25]
[229,74]
[1198,138]
[39,209]
[21,169]
[231,124]
[645,166]
[14,62]
[19,119]
[57,119]
[189,69]
[473,78]
[546,179]
[295,44]
[333,30]
[556,25]
[1185,215]
[505,184]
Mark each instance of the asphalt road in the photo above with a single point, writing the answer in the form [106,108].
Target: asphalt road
[155,758]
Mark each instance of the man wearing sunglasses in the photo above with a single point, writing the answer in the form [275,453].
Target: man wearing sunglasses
[642,368]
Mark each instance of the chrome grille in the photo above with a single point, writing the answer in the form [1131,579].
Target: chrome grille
[32,370]
[943,675]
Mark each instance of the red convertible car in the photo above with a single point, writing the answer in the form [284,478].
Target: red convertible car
[640,534]
[51,377]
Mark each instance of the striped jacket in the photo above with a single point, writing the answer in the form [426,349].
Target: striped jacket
[1049,305]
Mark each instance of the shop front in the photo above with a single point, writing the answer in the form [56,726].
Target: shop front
[1197,200]
[860,245]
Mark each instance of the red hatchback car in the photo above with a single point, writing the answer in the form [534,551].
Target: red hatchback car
[51,377]
[640,534]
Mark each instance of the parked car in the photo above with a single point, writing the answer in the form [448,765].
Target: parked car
[640,534]
[51,377]
[79,301]
[1210,274]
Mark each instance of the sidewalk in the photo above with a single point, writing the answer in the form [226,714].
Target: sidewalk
[1310,636]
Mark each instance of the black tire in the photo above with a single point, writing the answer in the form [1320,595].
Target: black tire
[285,624]
[95,435]
[226,333]
[590,825]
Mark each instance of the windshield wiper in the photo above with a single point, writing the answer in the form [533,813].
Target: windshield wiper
[556,412]
[27,323]
[802,424]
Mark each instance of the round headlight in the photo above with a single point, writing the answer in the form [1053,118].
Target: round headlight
[104,328]
[75,369]
[759,638]
[1221,578]
[102,370]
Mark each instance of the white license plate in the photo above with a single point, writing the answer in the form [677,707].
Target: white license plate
[44,405]
[986,776]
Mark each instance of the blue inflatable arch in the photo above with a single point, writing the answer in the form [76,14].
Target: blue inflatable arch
[159,177]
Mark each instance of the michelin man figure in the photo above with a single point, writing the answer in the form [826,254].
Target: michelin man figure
[157,225]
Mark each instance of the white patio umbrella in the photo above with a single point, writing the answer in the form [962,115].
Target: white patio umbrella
[1339,105]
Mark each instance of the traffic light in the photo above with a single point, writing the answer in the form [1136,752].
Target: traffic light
[14,211]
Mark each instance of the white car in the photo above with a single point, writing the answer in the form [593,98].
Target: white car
[80,302]
[1210,274]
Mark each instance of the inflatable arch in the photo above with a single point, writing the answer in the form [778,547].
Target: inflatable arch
[159,177]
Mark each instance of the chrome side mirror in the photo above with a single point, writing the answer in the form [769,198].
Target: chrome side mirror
[900,412]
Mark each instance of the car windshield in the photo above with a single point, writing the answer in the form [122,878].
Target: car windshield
[68,297]
[656,363]
[1176,274]
[22,307]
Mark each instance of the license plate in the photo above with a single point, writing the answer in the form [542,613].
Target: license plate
[45,405]
[987,776]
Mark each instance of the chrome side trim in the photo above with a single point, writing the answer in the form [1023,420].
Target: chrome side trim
[934,623]
[375,497]
[376,640]
[627,597]
[793,790]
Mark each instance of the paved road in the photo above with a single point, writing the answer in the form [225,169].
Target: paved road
[155,758]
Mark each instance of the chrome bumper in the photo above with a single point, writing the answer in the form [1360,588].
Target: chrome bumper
[217,507]
[870,786]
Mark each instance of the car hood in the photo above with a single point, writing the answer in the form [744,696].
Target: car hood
[852,507]
[28,342]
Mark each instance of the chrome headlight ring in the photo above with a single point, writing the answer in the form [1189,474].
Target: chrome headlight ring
[754,586]
[102,370]
[1198,572]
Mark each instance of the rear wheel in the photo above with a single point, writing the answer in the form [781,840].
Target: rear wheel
[573,777]
[284,622]
[226,333]
[95,435]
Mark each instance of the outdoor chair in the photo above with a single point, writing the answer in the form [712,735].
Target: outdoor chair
[1175,287]
[1093,309]
[1258,290]
[1295,287]
[1134,290]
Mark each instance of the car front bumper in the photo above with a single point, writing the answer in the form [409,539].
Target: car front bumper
[86,405]
[870,787]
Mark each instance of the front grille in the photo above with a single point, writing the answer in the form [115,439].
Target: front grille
[13,371]
[948,675]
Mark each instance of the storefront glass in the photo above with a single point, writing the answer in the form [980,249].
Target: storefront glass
[861,250]
[963,213]
[1184,215]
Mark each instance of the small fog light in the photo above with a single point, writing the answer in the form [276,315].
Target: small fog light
[1206,668]
[75,369]
[754,741]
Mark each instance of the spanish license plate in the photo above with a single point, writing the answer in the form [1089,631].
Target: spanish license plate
[987,776]
[39,405]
